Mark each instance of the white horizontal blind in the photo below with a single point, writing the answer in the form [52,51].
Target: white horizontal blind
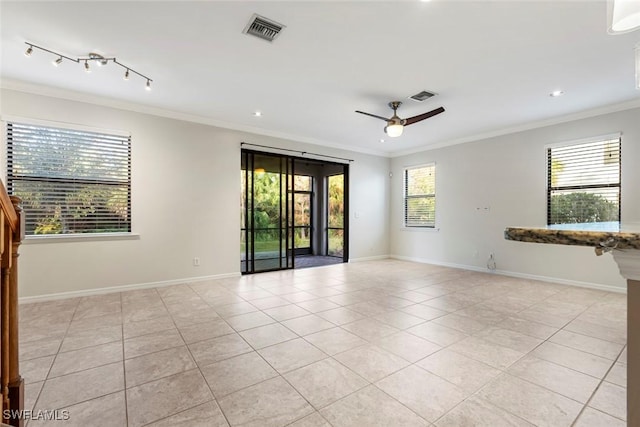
[420,196]
[584,182]
[70,181]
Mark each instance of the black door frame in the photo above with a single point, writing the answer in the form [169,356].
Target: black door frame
[307,250]
[288,162]
[345,219]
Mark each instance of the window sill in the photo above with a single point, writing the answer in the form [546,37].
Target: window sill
[421,229]
[92,237]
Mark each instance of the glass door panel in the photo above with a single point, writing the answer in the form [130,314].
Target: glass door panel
[335,215]
[287,220]
[265,235]
[302,214]
[246,249]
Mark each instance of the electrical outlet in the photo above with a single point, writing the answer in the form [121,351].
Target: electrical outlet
[196,262]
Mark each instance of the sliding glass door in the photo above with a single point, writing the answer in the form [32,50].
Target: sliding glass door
[292,207]
[267,237]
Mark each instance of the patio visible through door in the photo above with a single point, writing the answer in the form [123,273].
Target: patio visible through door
[293,212]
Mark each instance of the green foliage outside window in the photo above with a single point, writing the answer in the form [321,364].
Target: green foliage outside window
[575,208]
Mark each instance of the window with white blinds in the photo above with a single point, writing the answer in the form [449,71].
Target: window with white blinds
[420,196]
[70,181]
[584,182]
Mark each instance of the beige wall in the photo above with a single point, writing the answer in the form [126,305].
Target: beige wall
[508,175]
[185,202]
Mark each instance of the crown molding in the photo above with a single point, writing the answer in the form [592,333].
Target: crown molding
[53,92]
[599,111]
[70,95]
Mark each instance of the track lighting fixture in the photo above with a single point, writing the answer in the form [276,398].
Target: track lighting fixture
[92,57]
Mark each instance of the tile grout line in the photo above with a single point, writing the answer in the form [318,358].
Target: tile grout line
[505,371]
[476,392]
[166,376]
[44,383]
[83,401]
[584,405]
[124,370]
[602,380]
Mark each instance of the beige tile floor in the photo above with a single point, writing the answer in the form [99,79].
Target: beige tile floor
[381,343]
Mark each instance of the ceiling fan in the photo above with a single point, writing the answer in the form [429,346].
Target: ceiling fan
[395,124]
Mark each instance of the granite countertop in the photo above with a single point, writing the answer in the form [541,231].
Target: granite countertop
[599,234]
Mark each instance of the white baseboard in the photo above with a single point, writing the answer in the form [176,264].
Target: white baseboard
[107,290]
[590,285]
[111,289]
[370,258]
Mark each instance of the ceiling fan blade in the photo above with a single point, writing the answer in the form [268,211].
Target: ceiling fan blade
[421,117]
[373,115]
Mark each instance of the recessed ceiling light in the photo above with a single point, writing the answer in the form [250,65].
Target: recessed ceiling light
[556,93]
[381,140]
[257,114]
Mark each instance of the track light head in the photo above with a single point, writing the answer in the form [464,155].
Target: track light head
[86,67]
[29,51]
[126,75]
[148,87]
[57,62]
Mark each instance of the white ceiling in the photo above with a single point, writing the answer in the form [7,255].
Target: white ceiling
[492,63]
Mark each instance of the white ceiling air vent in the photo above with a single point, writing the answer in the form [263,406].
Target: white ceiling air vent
[263,28]
[422,96]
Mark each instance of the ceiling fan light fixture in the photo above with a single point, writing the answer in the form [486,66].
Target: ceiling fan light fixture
[394,130]
[625,16]
[395,125]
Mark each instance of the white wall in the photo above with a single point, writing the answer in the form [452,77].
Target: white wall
[185,202]
[185,189]
[508,174]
